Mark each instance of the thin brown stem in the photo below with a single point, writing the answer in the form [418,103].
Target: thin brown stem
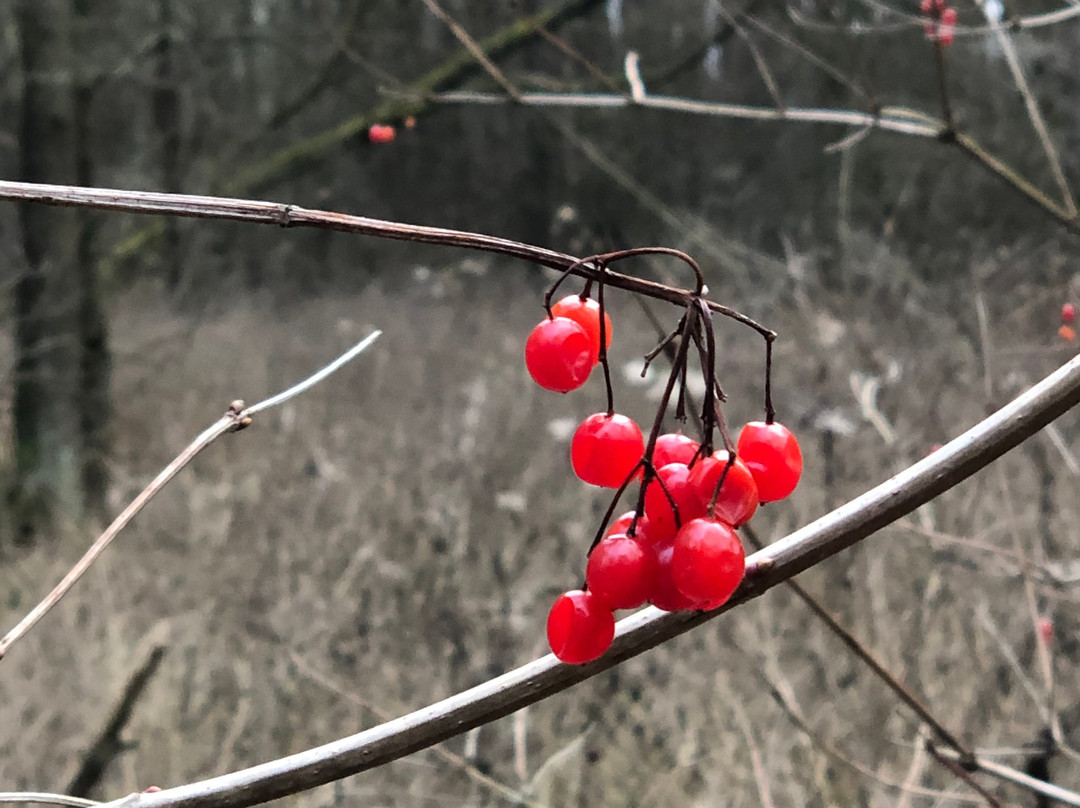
[475,50]
[283,215]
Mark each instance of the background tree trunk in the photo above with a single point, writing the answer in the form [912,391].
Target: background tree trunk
[46,294]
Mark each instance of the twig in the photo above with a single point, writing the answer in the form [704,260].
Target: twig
[830,534]
[109,745]
[46,799]
[1032,107]
[235,418]
[890,119]
[868,659]
[963,771]
[470,45]
[632,72]
[1017,777]
[282,215]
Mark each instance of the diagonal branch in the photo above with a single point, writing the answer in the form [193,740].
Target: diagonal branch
[545,677]
[237,417]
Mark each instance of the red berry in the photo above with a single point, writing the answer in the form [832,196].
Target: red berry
[580,627]
[381,133]
[557,354]
[1046,630]
[585,313]
[655,536]
[665,594]
[621,572]
[605,449]
[676,477]
[1068,314]
[621,524]
[948,17]
[674,447]
[738,496]
[707,562]
[773,456]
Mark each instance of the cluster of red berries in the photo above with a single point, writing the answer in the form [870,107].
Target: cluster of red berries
[681,551]
[940,25]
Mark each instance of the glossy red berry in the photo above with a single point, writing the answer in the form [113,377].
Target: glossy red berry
[676,476]
[1068,314]
[605,449]
[707,562]
[674,447]
[585,313]
[621,572]
[773,456]
[381,133]
[666,595]
[621,523]
[580,627]
[738,496]
[558,355]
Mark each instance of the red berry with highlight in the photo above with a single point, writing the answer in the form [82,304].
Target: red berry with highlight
[580,627]
[707,562]
[773,456]
[605,449]
[676,476]
[1068,314]
[585,313]
[674,447]
[738,496]
[621,572]
[558,355]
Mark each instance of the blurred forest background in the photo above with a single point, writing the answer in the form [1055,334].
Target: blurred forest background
[398,533]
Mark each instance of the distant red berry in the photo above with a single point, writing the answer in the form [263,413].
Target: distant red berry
[676,477]
[580,627]
[674,447]
[585,313]
[1068,314]
[773,456]
[605,449]
[1046,630]
[707,562]
[621,571]
[558,355]
[381,133]
[738,496]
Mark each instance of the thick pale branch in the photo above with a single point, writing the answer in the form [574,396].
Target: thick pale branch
[817,541]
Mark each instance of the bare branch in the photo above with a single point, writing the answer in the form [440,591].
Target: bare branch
[234,419]
[42,798]
[275,213]
[537,680]
[1016,777]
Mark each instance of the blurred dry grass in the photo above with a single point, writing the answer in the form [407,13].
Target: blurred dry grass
[398,533]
